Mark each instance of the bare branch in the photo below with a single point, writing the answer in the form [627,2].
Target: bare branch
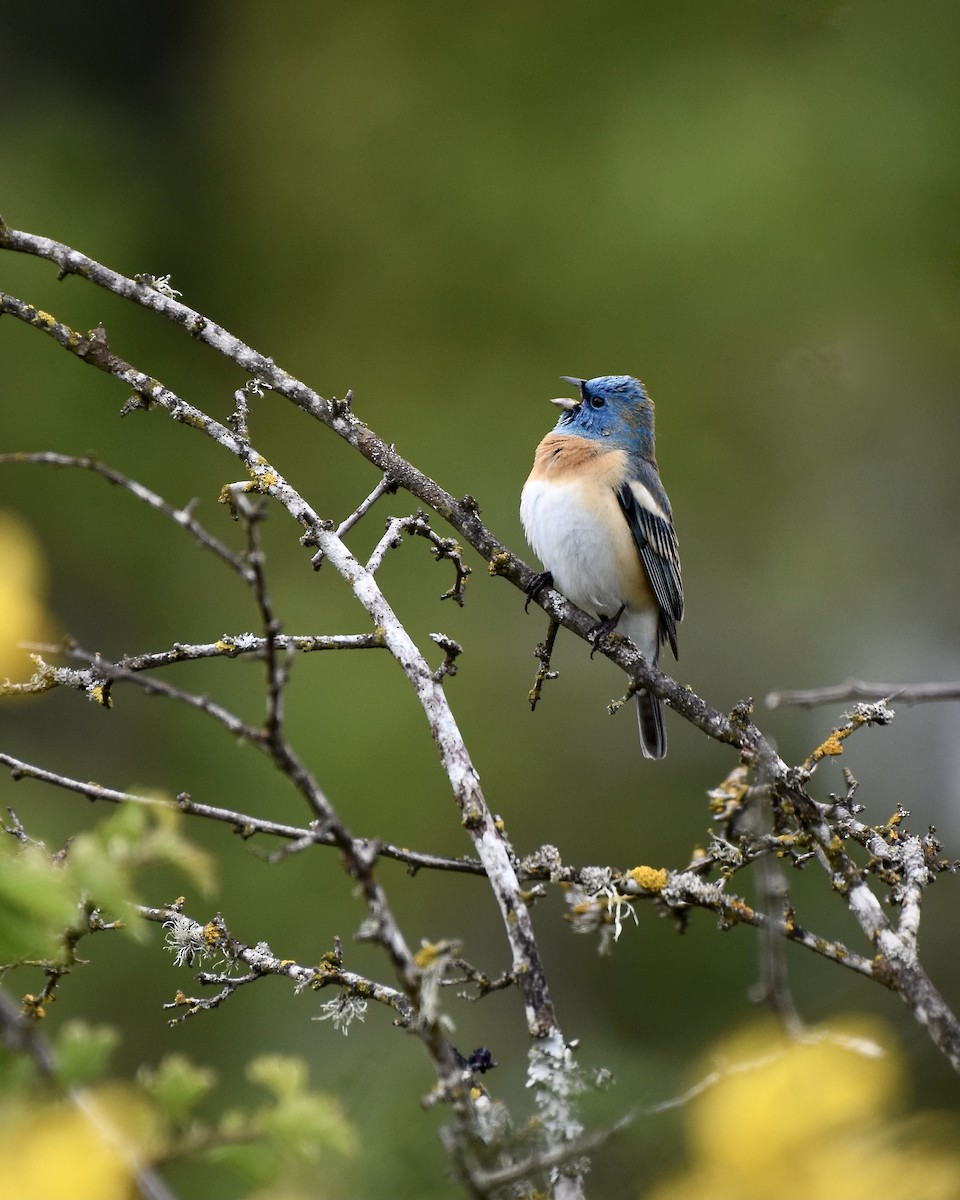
[442,548]
[855,689]
[802,829]
[244,823]
[277,668]
[229,645]
[543,654]
[265,479]
[182,516]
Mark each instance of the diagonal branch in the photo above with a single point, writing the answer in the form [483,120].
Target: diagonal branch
[793,807]
[245,824]
[182,516]
[265,479]
[462,514]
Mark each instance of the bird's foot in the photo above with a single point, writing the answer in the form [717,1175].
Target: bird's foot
[541,581]
[603,629]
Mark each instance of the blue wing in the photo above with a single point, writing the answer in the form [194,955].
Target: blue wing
[657,543]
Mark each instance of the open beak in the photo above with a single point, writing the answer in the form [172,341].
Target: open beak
[565,401]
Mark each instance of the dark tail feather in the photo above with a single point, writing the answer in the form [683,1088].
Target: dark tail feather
[653,734]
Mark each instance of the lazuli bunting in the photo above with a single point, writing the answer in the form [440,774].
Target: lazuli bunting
[597,517]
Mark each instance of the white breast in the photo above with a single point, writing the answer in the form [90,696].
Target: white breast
[580,535]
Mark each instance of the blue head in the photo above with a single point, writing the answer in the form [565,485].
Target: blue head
[614,408]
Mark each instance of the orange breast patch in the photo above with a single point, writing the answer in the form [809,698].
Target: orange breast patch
[561,457]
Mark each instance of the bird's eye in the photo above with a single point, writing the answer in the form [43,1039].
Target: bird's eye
[597,402]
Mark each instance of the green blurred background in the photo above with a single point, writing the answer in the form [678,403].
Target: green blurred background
[755,207]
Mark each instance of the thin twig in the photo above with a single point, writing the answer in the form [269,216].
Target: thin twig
[245,824]
[418,525]
[265,479]
[194,940]
[277,669]
[385,487]
[228,645]
[182,516]
[543,653]
[855,689]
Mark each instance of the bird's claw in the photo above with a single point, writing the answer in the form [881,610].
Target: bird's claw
[541,581]
[603,629]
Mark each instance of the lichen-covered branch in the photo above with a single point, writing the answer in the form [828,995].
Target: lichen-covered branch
[192,942]
[265,480]
[764,810]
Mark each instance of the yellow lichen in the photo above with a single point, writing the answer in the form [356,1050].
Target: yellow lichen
[428,954]
[472,817]
[649,879]
[828,749]
[33,1008]
[729,794]
[742,910]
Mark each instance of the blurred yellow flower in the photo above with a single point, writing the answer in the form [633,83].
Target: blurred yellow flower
[86,1148]
[811,1118]
[23,585]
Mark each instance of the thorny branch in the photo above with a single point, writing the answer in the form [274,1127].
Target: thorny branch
[804,830]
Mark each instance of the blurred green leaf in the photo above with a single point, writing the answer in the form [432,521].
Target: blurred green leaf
[103,863]
[309,1124]
[281,1141]
[37,902]
[177,1086]
[302,1122]
[83,1051]
[279,1073]
[98,869]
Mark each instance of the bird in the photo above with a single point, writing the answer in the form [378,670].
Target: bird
[597,516]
